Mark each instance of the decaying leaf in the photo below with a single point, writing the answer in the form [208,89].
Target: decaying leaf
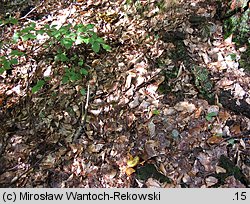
[129,171]
[95,148]
[210,181]
[151,148]
[133,161]
[214,140]
[151,129]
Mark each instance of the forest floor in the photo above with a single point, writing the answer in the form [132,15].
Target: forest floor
[168,106]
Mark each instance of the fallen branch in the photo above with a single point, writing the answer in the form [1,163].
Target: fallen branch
[83,119]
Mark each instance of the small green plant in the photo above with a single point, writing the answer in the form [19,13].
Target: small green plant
[9,20]
[156,112]
[38,86]
[61,39]
[202,82]
[7,61]
[210,116]
[239,26]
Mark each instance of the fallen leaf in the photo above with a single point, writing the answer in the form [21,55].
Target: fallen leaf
[151,129]
[198,112]
[133,161]
[129,171]
[130,118]
[236,129]
[219,169]
[134,103]
[185,107]
[224,115]
[210,181]
[239,91]
[153,183]
[214,140]
[150,148]
[95,148]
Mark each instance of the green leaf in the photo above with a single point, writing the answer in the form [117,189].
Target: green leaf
[41,32]
[73,58]
[56,34]
[100,40]
[81,62]
[156,112]
[6,64]
[84,72]
[65,79]
[96,47]
[53,27]
[81,39]
[83,92]
[86,40]
[209,116]
[231,141]
[67,42]
[47,78]
[28,36]
[93,37]
[90,26]
[74,76]
[106,47]
[16,53]
[14,61]
[28,29]
[80,28]
[38,86]
[233,56]
[2,70]
[65,29]
[13,21]
[71,36]
[46,26]
[15,37]
[61,57]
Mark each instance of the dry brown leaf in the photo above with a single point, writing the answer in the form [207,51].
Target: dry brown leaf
[210,181]
[205,160]
[151,148]
[219,169]
[236,129]
[198,112]
[151,129]
[95,148]
[224,115]
[214,140]
[129,171]
[153,183]
[162,169]
[49,161]
[239,91]
[135,102]
[232,182]
[185,107]
[131,118]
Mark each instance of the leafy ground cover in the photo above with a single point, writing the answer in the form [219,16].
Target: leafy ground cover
[124,94]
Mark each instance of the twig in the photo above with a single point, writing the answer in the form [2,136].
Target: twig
[32,10]
[83,119]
